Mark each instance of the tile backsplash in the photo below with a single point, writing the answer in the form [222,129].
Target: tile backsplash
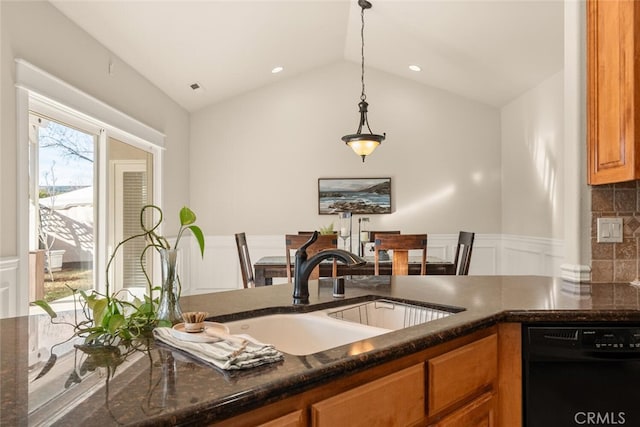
[616,262]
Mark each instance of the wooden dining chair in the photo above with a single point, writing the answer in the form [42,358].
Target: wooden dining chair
[400,244]
[325,241]
[371,238]
[463,253]
[245,261]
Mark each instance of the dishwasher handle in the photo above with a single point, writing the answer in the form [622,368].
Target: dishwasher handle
[538,354]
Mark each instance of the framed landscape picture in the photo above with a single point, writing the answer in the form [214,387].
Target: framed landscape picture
[355,195]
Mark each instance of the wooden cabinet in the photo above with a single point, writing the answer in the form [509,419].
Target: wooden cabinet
[461,389]
[613,90]
[459,383]
[394,400]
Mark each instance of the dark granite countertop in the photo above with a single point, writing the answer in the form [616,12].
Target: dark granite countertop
[161,386]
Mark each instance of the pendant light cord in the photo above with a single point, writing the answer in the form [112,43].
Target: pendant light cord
[363,96]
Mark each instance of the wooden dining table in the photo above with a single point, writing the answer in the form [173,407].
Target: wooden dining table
[276,266]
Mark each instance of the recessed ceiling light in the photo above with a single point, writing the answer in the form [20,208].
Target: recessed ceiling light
[415,68]
[277,69]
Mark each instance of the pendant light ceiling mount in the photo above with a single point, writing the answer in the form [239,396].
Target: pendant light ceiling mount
[363,144]
[364,4]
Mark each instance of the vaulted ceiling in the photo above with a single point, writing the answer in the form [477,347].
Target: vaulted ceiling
[490,51]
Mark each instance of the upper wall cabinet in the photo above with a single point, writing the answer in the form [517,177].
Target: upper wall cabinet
[613,90]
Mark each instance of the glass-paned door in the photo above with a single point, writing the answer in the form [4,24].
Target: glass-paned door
[62,209]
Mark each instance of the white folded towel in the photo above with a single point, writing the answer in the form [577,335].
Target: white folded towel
[224,354]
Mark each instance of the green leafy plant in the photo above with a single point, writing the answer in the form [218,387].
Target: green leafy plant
[327,230]
[187,220]
[108,319]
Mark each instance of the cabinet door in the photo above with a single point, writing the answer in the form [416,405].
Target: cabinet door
[479,413]
[394,400]
[613,90]
[462,373]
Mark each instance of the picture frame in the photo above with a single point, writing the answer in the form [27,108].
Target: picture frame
[368,196]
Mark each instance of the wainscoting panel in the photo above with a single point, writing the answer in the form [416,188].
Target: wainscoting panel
[522,255]
[492,254]
[9,287]
[218,270]
[484,258]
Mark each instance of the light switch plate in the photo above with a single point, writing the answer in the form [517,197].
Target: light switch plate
[609,230]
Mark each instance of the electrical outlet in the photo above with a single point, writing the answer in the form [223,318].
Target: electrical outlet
[609,230]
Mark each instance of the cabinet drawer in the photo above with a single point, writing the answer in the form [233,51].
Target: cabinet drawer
[460,373]
[394,400]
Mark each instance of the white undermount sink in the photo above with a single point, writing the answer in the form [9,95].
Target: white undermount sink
[308,333]
[301,334]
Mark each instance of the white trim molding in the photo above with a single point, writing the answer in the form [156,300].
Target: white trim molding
[9,287]
[51,88]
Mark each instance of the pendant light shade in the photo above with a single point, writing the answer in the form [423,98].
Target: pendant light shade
[363,144]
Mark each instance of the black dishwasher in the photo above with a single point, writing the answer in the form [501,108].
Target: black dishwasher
[581,375]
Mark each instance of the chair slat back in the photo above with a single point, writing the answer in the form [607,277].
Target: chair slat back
[463,253]
[325,241]
[371,238]
[372,234]
[400,244]
[246,267]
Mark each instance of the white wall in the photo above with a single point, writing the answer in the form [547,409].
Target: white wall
[532,161]
[255,159]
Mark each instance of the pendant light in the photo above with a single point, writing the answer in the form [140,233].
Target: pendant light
[363,144]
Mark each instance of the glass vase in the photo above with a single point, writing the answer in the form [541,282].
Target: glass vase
[169,306]
[344,228]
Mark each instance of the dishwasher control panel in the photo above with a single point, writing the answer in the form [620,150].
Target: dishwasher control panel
[608,338]
[593,339]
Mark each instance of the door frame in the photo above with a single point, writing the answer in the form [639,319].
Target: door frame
[38,90]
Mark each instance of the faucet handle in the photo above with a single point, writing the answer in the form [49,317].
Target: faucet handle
[308,243]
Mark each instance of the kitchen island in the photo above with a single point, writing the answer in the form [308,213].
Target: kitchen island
[162,386]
